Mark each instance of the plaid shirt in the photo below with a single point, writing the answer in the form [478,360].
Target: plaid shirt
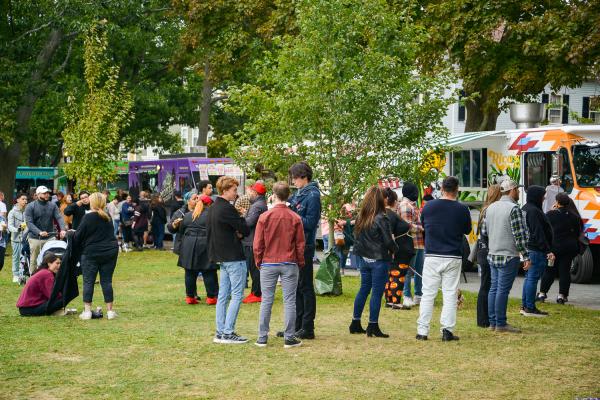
[519,231]
[411,214]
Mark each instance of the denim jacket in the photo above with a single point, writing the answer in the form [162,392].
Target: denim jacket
[306,202]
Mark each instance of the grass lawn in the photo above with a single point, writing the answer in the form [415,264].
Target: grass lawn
[161,347]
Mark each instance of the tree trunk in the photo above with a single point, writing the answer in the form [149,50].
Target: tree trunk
[10,155]
[10,162]
[478,117]
[205,107]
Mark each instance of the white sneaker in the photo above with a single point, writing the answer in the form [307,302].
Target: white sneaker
[85,315]
[111,314]
[408,302]
[417,300]
[16,279]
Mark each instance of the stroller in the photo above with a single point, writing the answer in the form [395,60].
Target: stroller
[58,247]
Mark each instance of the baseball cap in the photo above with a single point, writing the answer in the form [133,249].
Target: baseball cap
[259,188]
[508,185]
[42,189]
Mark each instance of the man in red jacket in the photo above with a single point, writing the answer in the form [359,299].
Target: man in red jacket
[279,252]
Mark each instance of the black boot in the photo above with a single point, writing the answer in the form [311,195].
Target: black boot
[356,327]
[373,330]
[448,336]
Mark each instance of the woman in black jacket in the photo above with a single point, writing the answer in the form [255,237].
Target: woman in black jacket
[566,228]
[99,251]
[395,283]
[193,254]
[375,244]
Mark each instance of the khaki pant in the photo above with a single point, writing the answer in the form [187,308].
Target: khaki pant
[35,246]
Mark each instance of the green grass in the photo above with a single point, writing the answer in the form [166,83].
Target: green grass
[161,348]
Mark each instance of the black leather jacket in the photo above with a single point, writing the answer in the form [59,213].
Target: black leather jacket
[377,242]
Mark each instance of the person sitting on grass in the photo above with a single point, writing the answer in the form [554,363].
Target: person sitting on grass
[34,299]
[278,250]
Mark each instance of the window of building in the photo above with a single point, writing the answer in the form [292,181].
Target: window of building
[591,108]
[555,109]
[462,111]
[469,167]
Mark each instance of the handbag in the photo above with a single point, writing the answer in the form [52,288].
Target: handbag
[339,239]
[406,247]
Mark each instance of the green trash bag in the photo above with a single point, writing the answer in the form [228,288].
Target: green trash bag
[328,280]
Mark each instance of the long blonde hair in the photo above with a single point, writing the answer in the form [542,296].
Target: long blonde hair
[98,204]
[198,209]
[493,195]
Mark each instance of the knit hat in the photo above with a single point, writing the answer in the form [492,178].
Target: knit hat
[410,191]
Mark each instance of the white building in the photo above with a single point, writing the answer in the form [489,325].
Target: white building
[186,134]
[583,100]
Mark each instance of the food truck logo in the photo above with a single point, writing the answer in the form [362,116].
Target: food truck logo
[541,141]
[590,213]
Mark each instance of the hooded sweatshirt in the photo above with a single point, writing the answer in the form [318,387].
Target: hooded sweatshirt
[540,231]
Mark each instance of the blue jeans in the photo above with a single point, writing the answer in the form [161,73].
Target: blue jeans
[373,277]
[502,281]
[417,263]
[116,224]
[341,255]
[532,276]
[158,229]
[325,242]
[231,291]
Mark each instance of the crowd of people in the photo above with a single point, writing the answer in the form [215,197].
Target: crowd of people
[272,239]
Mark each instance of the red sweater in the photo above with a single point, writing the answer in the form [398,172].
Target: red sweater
[37,289]
[279,237]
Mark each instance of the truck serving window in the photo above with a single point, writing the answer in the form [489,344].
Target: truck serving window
[586,160]
[469,167]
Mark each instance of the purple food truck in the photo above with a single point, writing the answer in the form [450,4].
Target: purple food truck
[183,174]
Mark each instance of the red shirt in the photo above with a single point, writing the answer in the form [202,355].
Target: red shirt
[37,289]
[279,237]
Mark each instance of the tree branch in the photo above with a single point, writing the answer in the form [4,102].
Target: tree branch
[219,98]
[29,32]
[62,66]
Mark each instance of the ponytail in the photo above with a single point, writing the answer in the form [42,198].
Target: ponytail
[198,210]
[98,204]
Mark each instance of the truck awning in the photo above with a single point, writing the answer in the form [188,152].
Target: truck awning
[455,140]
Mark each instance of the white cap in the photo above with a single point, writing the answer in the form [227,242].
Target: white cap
[42,189]
[508,185]
[554,179]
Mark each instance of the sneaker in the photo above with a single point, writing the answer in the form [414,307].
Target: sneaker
[541,297]
[211,301]
[292,342]
[528,312]
[85,315]
[280,334]
[400,307]
[110,314]
[233,338]
[421,337]
[408,302]
[218,338]
[252,298]
[508,328]
[417,300]
[522,310]
[70,311]
[561,300]
[303,334]
[190,300]
[261,342]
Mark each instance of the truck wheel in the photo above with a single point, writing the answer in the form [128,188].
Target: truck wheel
[582,268]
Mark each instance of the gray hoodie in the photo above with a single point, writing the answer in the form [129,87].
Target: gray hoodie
[16,217]
[40,216]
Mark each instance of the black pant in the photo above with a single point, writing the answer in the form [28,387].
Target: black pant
[211,282]
[254,272]
[306,301]
[562,268]
[2,253]
[42,309]
[90,266]
[138,239]
[484,289]
[127,233]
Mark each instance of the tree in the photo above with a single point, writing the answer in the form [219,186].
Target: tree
[342,95]
[41,64]
[91,136]
[508,49]
[220,41]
